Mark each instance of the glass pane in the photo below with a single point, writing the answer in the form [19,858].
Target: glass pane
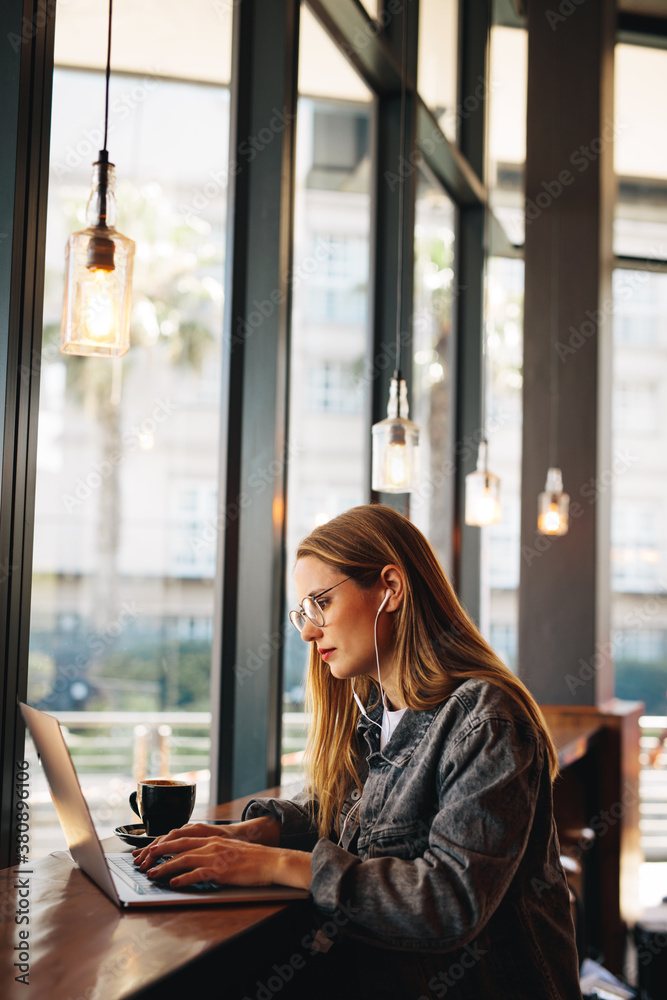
[323,69]
[640,152]
[433,373]
[639,486]
[507,128]
[371,7]
[501,543]
[151,40]
[329,435]
[438,62]
[126,496]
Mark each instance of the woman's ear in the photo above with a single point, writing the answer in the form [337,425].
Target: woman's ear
[392,583]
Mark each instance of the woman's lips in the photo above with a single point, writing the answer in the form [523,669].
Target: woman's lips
[326,653]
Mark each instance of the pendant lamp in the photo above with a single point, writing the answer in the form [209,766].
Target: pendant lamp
[482,496]
[395,443]
[482,493]
[98,275]
[482,490]
[553,505]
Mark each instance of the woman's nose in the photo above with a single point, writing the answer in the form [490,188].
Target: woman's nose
[310,631]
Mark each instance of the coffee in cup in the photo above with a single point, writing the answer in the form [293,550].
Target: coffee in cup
[163,804]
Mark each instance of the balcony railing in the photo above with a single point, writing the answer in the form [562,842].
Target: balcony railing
[653,790]
[158,743]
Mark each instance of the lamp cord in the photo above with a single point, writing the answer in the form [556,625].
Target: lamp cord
[487,252]
[108,74]
[553,369]
[401,197]
[555,313]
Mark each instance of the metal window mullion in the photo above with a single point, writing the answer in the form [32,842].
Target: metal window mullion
[249,629]
[474,31]
[25,113]
[393,169]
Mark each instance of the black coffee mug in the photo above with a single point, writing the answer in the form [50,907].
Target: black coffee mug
[163,804]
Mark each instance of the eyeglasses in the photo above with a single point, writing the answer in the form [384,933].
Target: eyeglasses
[311,610]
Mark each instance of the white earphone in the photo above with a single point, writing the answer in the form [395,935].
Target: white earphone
[362,709]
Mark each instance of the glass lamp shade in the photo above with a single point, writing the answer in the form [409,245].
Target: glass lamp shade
[98,279]
[482,493]
[396,446]
[553,506]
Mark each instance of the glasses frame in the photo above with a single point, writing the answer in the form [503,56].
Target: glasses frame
[299,616]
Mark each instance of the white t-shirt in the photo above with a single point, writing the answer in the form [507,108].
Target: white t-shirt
[389,722]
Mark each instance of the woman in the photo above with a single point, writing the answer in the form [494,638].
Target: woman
[426,829]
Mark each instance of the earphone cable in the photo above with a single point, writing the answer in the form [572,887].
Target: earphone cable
[350,812]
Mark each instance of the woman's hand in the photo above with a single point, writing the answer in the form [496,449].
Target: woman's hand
[263,830]
[225,860]
[229,862]
[235,854]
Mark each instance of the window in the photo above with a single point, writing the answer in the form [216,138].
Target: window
[640,227]
[504,547]
[338,288]
[635,407]
[432,403]
[438,62]
[638,573]
[329,392]
[646,646]
[640,318]
[340,142]
[636,551]
[126,521]
[507,128]
[504,380]
[334,388]
[347,255]
[503,639]
[192,533]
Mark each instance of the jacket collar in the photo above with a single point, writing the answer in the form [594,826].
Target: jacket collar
[406,737]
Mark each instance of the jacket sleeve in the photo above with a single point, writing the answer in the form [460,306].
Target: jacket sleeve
[488,786]
[298,827]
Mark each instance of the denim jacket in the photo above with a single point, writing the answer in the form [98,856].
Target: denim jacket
[450,861]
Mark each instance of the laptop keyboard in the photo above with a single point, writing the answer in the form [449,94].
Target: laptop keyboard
[124,866]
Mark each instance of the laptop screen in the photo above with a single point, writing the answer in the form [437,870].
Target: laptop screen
[71,806]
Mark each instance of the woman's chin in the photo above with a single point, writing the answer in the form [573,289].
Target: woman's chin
[340,671]
[344,672]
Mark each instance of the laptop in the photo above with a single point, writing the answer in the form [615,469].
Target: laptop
[115,874]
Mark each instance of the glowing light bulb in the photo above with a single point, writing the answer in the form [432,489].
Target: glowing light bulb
[398,472]
[553,506]
[552,519]
[98,308]
[482,493]
[146,440]
[487,507]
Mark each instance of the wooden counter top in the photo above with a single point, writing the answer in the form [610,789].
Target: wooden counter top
[573,740]
[82,947]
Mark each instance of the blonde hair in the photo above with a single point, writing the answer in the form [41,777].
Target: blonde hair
[437,647]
